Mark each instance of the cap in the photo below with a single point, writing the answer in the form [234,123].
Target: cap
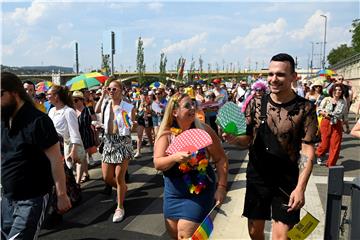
[98,91]
[217,81]
[77,94]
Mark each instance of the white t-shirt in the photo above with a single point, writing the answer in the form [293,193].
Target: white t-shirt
[66,124]
[122,115]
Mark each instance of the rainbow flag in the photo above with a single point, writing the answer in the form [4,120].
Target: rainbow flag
[204,230]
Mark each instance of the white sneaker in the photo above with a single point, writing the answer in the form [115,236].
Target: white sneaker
[320,162]
[69,163]
[118,215]
[137,155]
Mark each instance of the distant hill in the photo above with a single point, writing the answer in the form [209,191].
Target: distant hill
[36,69]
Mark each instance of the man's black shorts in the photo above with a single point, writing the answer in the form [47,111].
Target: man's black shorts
[263,203]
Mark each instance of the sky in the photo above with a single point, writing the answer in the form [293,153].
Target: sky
[227,35]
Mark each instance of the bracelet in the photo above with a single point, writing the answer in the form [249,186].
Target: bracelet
[221,185]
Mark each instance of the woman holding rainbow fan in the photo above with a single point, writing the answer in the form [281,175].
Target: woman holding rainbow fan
[188,195]
[117,115]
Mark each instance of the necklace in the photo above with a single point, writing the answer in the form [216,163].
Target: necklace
[194,170]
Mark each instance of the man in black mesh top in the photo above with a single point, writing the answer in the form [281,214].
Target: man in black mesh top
[281,131]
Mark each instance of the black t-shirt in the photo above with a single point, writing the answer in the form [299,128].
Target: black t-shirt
[25,169]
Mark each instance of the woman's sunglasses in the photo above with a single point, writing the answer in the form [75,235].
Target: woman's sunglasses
[112,89]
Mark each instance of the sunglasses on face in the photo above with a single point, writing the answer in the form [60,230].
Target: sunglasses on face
[189,105]
[112,89]
[76,100]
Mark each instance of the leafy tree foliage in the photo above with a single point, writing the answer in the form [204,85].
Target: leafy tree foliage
[356,35]
[163,61]
[340,53]
[343,51]
[140,66]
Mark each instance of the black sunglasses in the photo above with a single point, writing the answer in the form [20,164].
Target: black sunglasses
[76,100]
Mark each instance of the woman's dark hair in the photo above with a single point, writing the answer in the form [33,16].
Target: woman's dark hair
[12,83]
[335,85]
[284,57]
[64,94]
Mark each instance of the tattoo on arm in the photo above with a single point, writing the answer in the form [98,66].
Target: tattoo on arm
[302,162]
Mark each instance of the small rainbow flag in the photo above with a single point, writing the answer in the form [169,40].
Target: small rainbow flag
[126,119]
[204,230]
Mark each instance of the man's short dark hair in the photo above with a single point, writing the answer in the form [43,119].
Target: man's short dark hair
[12,83]
[284,57]
[29,82]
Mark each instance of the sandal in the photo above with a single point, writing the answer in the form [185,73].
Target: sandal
[85,178]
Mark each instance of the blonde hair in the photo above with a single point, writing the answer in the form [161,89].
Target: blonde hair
[168,117]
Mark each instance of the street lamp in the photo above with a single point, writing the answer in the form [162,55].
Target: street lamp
[312,57]
[323,63]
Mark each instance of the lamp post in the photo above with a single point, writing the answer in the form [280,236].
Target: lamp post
[323,62]
[312,58]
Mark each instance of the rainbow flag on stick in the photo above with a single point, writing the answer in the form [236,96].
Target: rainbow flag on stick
[205,228]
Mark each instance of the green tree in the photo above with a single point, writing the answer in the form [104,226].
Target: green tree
[355,35]
[340,53]
[140,66]
[163,61]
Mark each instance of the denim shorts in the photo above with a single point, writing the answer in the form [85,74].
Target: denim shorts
[156,119]
[22,219]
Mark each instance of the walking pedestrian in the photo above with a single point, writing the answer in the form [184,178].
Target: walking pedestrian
[184,209]
[31,163]
[117,152]
[333,110]
[281,130]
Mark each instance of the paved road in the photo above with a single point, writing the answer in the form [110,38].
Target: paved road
[92,219]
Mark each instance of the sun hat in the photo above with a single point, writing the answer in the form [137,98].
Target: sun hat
[316,83]
[78,94]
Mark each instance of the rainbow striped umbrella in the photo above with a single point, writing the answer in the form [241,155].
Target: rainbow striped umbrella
[44,86]
[98,76]
[326,72]
[78,83]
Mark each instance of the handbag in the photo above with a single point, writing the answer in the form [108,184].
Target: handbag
[101,145]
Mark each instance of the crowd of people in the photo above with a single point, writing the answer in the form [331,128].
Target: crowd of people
[304,123]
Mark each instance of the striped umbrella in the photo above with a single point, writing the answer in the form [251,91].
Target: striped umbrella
[78,83]
[42,87]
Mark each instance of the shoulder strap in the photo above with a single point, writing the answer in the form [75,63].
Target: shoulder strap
[103,112]
[264,101]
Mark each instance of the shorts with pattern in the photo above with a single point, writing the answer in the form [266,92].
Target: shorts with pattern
[117,149]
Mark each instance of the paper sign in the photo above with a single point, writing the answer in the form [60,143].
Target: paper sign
[303,228]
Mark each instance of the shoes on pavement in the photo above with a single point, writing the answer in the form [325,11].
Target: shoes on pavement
[85,178]
[137,155]
[118,215]
[69,163]
[320,162]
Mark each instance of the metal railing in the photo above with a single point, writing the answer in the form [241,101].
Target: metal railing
[346,62]
[337,188]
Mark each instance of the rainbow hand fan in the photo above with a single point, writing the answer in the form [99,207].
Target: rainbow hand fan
[231,119]
[190,141]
